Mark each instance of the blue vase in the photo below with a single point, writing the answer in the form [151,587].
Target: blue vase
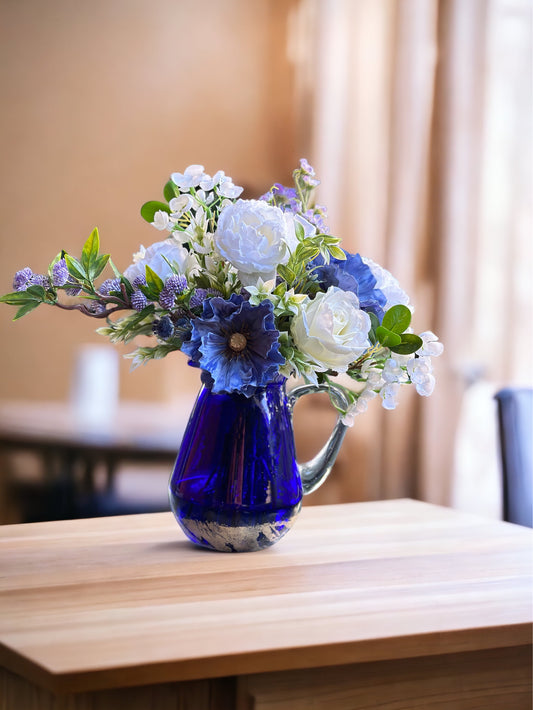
[236,485]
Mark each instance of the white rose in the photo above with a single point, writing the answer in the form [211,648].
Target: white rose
[255,237]
[155,257]
[331,330]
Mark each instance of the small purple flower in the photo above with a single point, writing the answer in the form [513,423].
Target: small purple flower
[39,280]
[75,289]
[163,328]
[283,197]
[21,278]
[308,174]
[109,285]
[236,344]
[167,298]
[316,216]
[138,300]
[60,273]
[201,294]
[174,285]
[139,281]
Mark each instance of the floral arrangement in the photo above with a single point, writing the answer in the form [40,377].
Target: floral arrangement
[250,291]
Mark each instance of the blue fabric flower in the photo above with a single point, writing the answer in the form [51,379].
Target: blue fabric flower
[352,275]
[163,328]
[236,345]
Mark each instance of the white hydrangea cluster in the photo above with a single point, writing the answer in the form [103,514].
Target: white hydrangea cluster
[198,190]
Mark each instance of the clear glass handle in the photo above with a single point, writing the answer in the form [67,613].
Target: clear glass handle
[313,473]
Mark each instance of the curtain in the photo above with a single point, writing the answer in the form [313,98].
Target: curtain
[419,130]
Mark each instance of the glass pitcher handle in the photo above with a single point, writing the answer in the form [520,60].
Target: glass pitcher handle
[313,473]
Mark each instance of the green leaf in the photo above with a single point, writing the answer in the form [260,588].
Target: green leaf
[170,191]
[90,251]
[115,270]
[286,273]
[374,325]
[127,284]
[387,337]
[16,298]
[325,254]
[99,265]
[336,252]
[75,269]
[153,281]
[280,290]
[397,319]
[26,308]
[37,292]
[56,259]
[300,231]
[328,240]
[410,344]
[305,252]
[149,209]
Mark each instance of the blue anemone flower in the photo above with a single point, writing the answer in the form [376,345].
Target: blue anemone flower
[236,345]
[354,275]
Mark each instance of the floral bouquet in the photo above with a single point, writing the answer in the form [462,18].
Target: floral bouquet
[250,290]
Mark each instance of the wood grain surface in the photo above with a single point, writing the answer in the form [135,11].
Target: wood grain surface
[114,602]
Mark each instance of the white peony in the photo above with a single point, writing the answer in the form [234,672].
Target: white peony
[155,257]
[255,237]
[331,330]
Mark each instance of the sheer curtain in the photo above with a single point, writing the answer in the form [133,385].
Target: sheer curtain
[421,136]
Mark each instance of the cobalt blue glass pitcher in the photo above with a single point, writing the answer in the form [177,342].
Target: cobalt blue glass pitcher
[236,485]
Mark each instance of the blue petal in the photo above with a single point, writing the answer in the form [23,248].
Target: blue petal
[354,275]
[256,365]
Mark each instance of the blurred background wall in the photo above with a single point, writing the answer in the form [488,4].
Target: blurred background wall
[101,102]
[417,117]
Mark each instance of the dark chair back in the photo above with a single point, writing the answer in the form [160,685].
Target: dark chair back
[515,418]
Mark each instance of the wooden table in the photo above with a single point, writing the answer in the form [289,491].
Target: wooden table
[71,451]
[137,430]
[393,604]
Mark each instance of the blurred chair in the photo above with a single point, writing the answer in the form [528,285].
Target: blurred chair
[515,418]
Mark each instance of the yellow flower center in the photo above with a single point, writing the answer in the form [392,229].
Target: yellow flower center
[237,342]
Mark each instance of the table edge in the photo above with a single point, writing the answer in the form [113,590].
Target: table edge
[270,660]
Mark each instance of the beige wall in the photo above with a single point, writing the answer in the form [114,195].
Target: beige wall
[101,101]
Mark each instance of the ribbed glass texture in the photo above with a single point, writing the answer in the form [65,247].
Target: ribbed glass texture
[235,485]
